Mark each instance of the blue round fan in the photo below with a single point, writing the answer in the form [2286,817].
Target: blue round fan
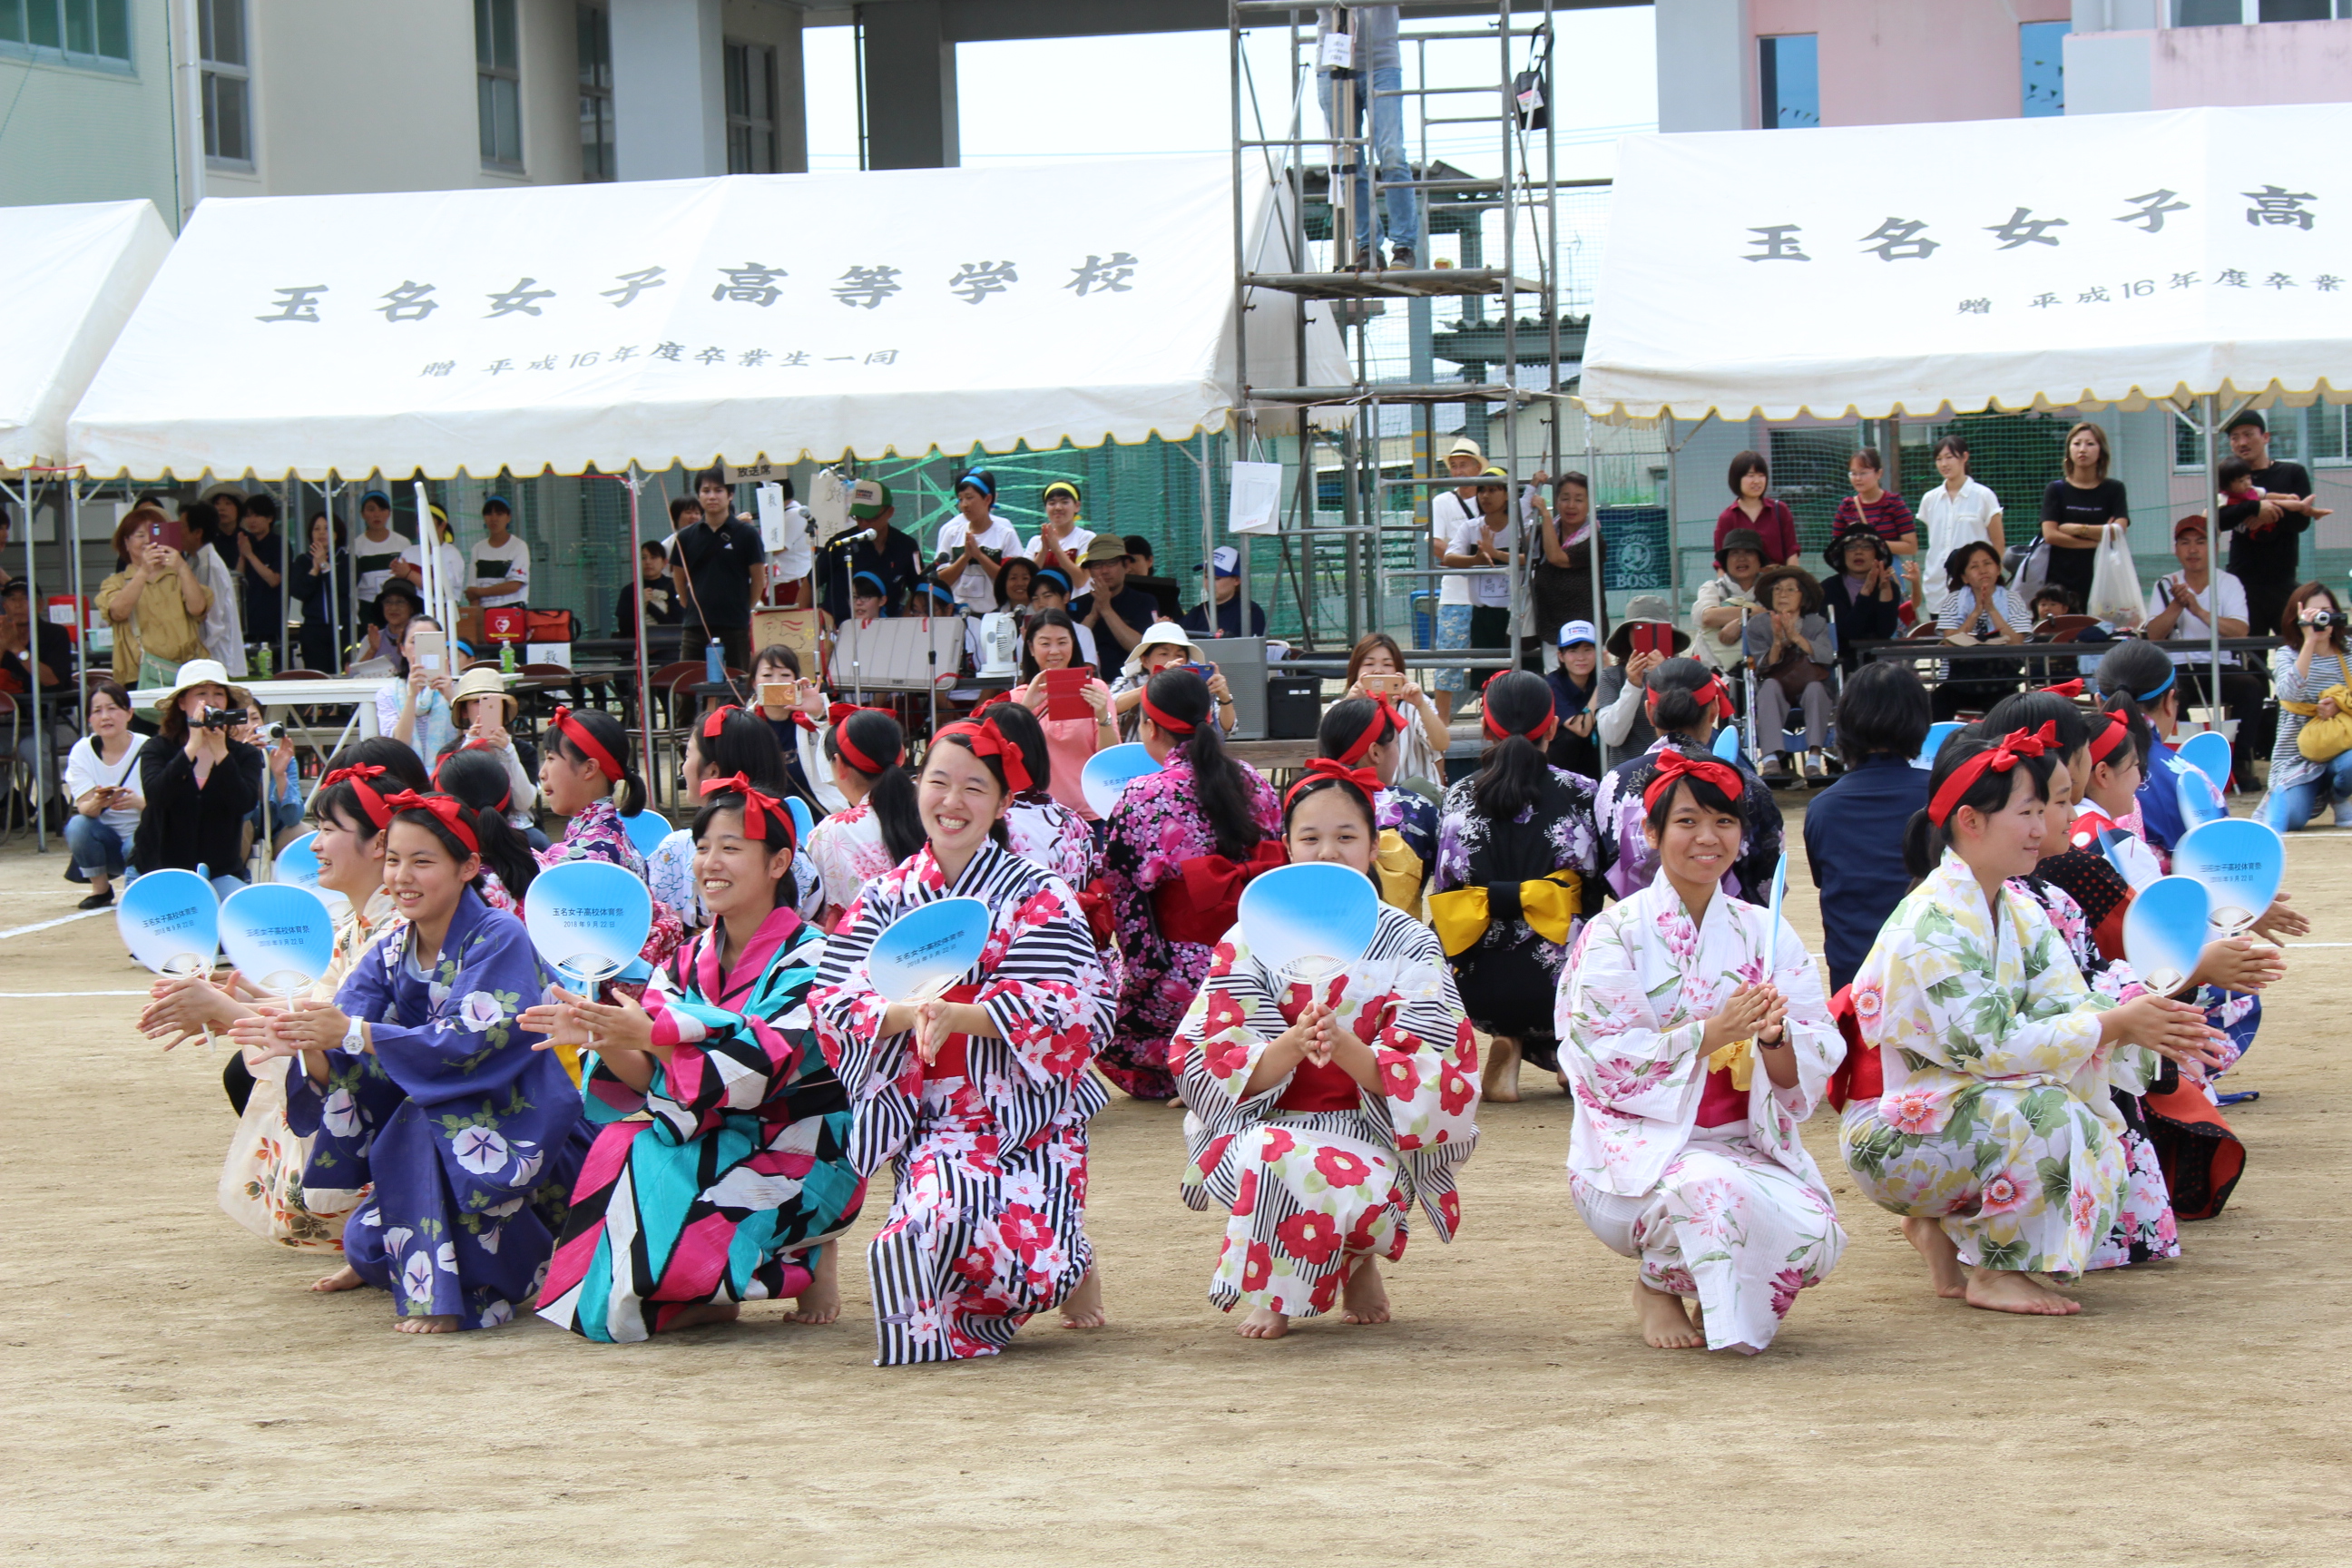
[587,918]
[169,920]
[2164,931]
[646,830]
[2208,751]
[1108,772]
[925,951]
[2238,862]
[279,935]
[1936,735]
[1310,923]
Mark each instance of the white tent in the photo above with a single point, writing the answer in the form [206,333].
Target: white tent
[70,275]
[2109,258]
[774,316]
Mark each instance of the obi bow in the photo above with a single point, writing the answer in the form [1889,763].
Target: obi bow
[1549,904]
[1199,904]
[1399,872]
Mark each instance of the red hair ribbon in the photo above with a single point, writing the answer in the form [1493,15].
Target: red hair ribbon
[1165,719]
[1375,731]
[716,719]
[1674,764]
[448,810]
[369,801]
[989,701]
[2104,744]
[589,747]
[757,806]
[2065,688]
[1321,768]
[987,742]
[2004,757]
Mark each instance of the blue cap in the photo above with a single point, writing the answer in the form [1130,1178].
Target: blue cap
[1225,561]
[1574,632]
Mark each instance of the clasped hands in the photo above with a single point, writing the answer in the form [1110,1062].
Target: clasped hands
[577,1022]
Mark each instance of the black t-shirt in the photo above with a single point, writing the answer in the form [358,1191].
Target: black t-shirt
[1229,620]
[53,649]
[2064,502]
[895,561]
[264,605]
[718,563]
[1133,605]
[2266,561]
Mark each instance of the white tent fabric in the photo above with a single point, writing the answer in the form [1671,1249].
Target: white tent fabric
[70,275]
[2106,258]
[772,317]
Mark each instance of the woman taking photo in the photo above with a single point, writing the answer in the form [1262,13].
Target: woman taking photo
[881,827]
[1752,508]
[154,600]
[2310,662]
[1317,1143]
[1050,642]
[420,1077]
[100,782]
[480,709]
[1695,1038]
[198,784]
[1978,604]
[1376,669]
[972,1249]
[1163,644]
[1521,824]
[1789,648]
[1183,842]
[721,1162]
[320,581]
[2077,510]
[416,706]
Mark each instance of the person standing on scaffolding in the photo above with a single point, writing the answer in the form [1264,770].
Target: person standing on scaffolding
[1377,67]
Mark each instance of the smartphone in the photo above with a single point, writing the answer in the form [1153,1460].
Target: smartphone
[433,652]
[1382,685]
[1202,670]
[778,694]
[1065,694]
[1649,636]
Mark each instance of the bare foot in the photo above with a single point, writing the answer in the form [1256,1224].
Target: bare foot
[1264,1324]
[695,1316]
[1944,1268]
[1501,1081]
[1666,1326]
[821,1303]
[1365,1299]
[343,1278]
[432,1323]
[2006,1290]
[1083,1307]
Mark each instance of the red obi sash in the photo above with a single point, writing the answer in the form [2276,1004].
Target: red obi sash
[1197,904]
[1860,1076]
[954,1058]
[1324,1087]
[1719,1104]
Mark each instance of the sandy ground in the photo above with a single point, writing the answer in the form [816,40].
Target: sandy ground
[171,1394]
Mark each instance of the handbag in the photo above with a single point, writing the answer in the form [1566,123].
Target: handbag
[2324,739]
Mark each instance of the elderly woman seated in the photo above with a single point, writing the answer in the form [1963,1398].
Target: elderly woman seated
[1790,650]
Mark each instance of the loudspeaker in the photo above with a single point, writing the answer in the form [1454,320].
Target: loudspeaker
[1294,707]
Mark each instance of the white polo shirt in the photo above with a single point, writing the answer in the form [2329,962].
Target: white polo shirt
[976,590]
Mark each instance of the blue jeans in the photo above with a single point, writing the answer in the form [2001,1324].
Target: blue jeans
[1388,153]
[95,847]
[2292,808]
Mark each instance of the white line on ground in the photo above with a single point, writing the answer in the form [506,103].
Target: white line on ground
[19,995]
[46,925]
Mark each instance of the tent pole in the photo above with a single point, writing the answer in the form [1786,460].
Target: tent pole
[335,593]
[645,677]
[285,559]
[73,587]
[1600,590]
[33,660]
[2210,402]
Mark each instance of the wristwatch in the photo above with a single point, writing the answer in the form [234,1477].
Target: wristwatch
[355,1037]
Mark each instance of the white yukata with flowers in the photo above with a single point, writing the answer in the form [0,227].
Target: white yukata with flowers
[1996,1119]
[1735,1215]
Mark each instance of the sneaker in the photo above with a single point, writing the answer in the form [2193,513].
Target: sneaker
[104,900]
[1776,770]
[1813,772]
[1401,259]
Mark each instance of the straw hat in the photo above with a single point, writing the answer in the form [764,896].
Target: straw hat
[484,682]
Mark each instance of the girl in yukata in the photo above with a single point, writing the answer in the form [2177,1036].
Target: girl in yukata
[1685,702]
[1369,732]
[1319,1112]
[721,1166]
[979,1098]
[477,779]
[1694,1034]
[1994,1133]
[1515,879]
[1182,843]
[726,741]
[1037,827]
[880,826]
[420,1077]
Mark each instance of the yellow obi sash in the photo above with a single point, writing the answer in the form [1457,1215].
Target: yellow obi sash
[1549,904]
[1399,871]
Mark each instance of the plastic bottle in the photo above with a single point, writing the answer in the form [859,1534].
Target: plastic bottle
[268,661]
[506,659]
[714,662]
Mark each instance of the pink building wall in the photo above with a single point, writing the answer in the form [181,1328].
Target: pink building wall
[1903,62]
[2275,62]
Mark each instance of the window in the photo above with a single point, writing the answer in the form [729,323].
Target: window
[78,32]
[1789,77]
[750,108]
[2313,436]
[222,46]
[596,94]
[2041,68]
[2237,13]
[497,83]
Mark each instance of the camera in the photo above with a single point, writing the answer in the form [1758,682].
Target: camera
[221,718]
[2324,618]
[274,733]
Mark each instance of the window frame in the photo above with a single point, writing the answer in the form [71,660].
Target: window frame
[219,73]
[61,53]
[1768,71]
[749,125]
[597,93]
[489,77]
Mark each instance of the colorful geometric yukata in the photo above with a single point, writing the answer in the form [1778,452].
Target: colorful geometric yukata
[988,1144]
[1154,829]
[1626,856]
[1319,1171]
[1996,1118]
[458,1120]
[709,1183]
[1670,1160]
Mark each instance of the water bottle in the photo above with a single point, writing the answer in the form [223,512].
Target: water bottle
[506,659]
[268,661]
[714,662]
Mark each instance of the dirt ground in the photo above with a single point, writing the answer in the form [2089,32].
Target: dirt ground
[171,1394]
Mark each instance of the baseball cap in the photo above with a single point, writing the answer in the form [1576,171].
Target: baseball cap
[2242,417]
[1225,561]
[1574,632]
[869,498]
[2193,524]
[1466,447]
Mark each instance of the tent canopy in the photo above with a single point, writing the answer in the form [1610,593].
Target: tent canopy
[2106,258]
[70,275]
[745,317]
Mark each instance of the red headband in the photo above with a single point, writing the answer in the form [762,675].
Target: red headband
[1165,719]
[839,717]
[1318,769]
[2015,745]
[369,801]
[446,809]
[589,747]
[985,742]
[2104,744]
[505,800]
[1674,764]
[1713,691]
[2065,688]
[1493,726]
[716,719]
[757,806]
[1374,732]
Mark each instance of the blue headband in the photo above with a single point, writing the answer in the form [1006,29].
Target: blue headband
[931,588]
[376,495]
[980,482]
[881,589]
[1056,574]
[2161,687]
[498,501]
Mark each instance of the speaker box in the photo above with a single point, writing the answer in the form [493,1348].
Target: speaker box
[1293,706]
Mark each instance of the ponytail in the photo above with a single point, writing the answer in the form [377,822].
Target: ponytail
[1220,785]
[1512,774]
[629,789]
[2143,734]
[1676,705]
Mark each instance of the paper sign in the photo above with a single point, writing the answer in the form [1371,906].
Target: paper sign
[279,935]
[2200,801]
[646,830]
[2164,931]
[1108,772]
[170,920]
[927,950]
[1338,51]
[2238,862]
[771,517]
[1254,502]
[1309,922]
[1936,735]
[2208,753]
[588,919]
[1726,742]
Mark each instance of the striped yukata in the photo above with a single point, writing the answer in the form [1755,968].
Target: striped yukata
[1319,1171]
[714,1182]
[987,1144]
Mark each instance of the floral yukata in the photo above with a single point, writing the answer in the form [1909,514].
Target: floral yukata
[847,852]
[1509,976]
[1996,1118]
[1669,1160]
[1407,821]
[1625,853]
[988,1144]
[711,1183]
[461,1124]
[1319,1171]
[1154,829]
